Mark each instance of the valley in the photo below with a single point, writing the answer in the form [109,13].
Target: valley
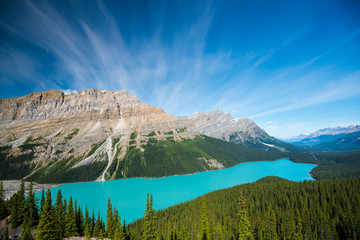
[179,120]
[114,145]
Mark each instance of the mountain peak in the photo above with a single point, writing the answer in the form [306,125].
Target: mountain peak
[326,131]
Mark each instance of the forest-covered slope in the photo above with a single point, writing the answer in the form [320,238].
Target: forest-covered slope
[169,157]
[277,209]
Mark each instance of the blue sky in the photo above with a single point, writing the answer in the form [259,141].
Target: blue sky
[291,66]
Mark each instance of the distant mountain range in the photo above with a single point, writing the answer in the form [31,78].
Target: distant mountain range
[103,135]
[330,139]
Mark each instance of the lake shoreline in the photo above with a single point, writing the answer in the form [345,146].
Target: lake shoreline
[129,195]
[12,186]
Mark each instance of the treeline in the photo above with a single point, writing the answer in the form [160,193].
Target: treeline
[271,208]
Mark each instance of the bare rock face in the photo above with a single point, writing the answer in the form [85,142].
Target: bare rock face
[99,126]
[86,105]
[221,125]
[93,112]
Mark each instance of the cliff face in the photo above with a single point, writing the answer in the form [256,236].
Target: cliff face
[221,125]
[100,126]
[97,115]
[86,105]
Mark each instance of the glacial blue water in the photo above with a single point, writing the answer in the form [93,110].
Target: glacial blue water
[129,195]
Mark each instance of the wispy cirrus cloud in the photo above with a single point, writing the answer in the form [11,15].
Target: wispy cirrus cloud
[344,88]
[87,56]
[177,57]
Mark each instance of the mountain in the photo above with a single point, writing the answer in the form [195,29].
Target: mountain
[243,131]
[331,139]
[101,135]
[347,142]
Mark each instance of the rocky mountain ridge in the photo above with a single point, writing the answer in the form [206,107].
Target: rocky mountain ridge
[330,139]
[97,127]
[325,131]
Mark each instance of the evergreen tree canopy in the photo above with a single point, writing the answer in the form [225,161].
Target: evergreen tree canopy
[18,211]
[3,210]
[70,220]
[205,231]
[59,213]
[46,229]
[32,210]
[244,225]
[149,231]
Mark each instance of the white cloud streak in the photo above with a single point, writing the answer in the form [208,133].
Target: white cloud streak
[176,74]
[346,88]
[69,91]
[89,57]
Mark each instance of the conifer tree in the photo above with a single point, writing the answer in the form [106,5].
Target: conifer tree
[70,220]
[92,223]
[109,221]
[119,231]
[205,231]
[22,200]
[289,230]
[65,205]
[102,228]
[298,228]
[14,216]
[26,232]
[87,224]
[42,200]
[46,229]
[270,232]
[3,209]
[123,230]
[18,207]
[244,225]
[219,232]
[32,211]
[6,233]
[59,213]
[149,218]
[79,222]
[116,223]
[97,226]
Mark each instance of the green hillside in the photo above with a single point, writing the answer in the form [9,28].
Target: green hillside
[169,157]
[156,158]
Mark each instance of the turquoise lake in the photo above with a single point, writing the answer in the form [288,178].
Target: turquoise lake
[129,195]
